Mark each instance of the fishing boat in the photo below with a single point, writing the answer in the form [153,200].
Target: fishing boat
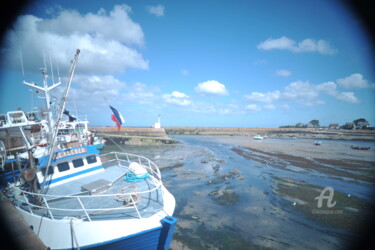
[76,129]
[73,197]
[317,143]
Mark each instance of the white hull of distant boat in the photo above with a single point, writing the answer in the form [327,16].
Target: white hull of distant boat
[258,137]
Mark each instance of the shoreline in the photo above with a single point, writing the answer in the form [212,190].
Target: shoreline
[328,150]
[305,133]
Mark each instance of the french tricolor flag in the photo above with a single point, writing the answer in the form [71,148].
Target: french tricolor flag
[117,118]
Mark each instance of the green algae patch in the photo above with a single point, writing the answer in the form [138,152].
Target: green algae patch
[224,197]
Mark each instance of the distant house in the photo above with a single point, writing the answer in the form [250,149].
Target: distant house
[310,125]
[300,125]
[334,126]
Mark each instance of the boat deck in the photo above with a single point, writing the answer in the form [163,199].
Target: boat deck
[98,197]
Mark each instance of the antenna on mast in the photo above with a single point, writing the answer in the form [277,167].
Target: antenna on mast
[44,60]
[58,72]
[50,62]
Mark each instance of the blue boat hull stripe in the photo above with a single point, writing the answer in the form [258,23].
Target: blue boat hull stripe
[73,175]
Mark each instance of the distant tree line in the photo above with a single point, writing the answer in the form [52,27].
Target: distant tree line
[360,123]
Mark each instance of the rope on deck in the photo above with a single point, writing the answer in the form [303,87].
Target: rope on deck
[129,198]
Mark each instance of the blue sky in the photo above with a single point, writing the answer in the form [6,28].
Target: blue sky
[196,63]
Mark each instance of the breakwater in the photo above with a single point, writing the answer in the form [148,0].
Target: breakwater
[134,136]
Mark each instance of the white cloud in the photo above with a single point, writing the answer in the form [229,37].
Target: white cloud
[104,50]
[177,98]
[307,45]
[329,88]
[303,93]
[253,107]
[283,72]
[217,108]
[156,10]
[354,81]
[348,97]
[269,106]
[116,25]
[85,89]
[140,93]
[264,97]
[212,88]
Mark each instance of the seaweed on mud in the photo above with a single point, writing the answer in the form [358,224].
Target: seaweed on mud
[224,197]
[226,177]
[176,165]
[215,168]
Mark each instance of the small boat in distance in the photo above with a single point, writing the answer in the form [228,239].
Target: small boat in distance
[317,143]
[360,148]
[258,137]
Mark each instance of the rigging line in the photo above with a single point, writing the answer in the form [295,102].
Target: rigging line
[74,104]
[50,62]
[104,98]
[23,71]
[58,72]
[44,60]
[121,149]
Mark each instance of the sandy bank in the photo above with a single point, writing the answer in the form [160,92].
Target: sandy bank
[329,149]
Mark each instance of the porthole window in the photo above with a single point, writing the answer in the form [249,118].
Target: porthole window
[64,166]
[50,170]
[91,159]
[77,163]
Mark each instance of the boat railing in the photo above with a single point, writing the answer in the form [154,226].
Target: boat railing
[84,205]
[127,158]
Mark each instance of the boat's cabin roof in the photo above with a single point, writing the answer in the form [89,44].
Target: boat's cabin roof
[15,119]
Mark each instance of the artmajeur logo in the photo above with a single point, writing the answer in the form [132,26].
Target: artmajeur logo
[327,195]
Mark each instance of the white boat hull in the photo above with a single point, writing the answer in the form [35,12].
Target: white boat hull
[70,233]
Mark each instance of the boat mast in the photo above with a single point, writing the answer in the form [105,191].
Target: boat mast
[45,89]
[61,108]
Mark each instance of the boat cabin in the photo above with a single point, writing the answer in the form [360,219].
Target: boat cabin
[70,164]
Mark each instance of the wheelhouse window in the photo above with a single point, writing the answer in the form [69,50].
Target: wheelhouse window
[50,170]
[64,166]
[77,163]
[91,159]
